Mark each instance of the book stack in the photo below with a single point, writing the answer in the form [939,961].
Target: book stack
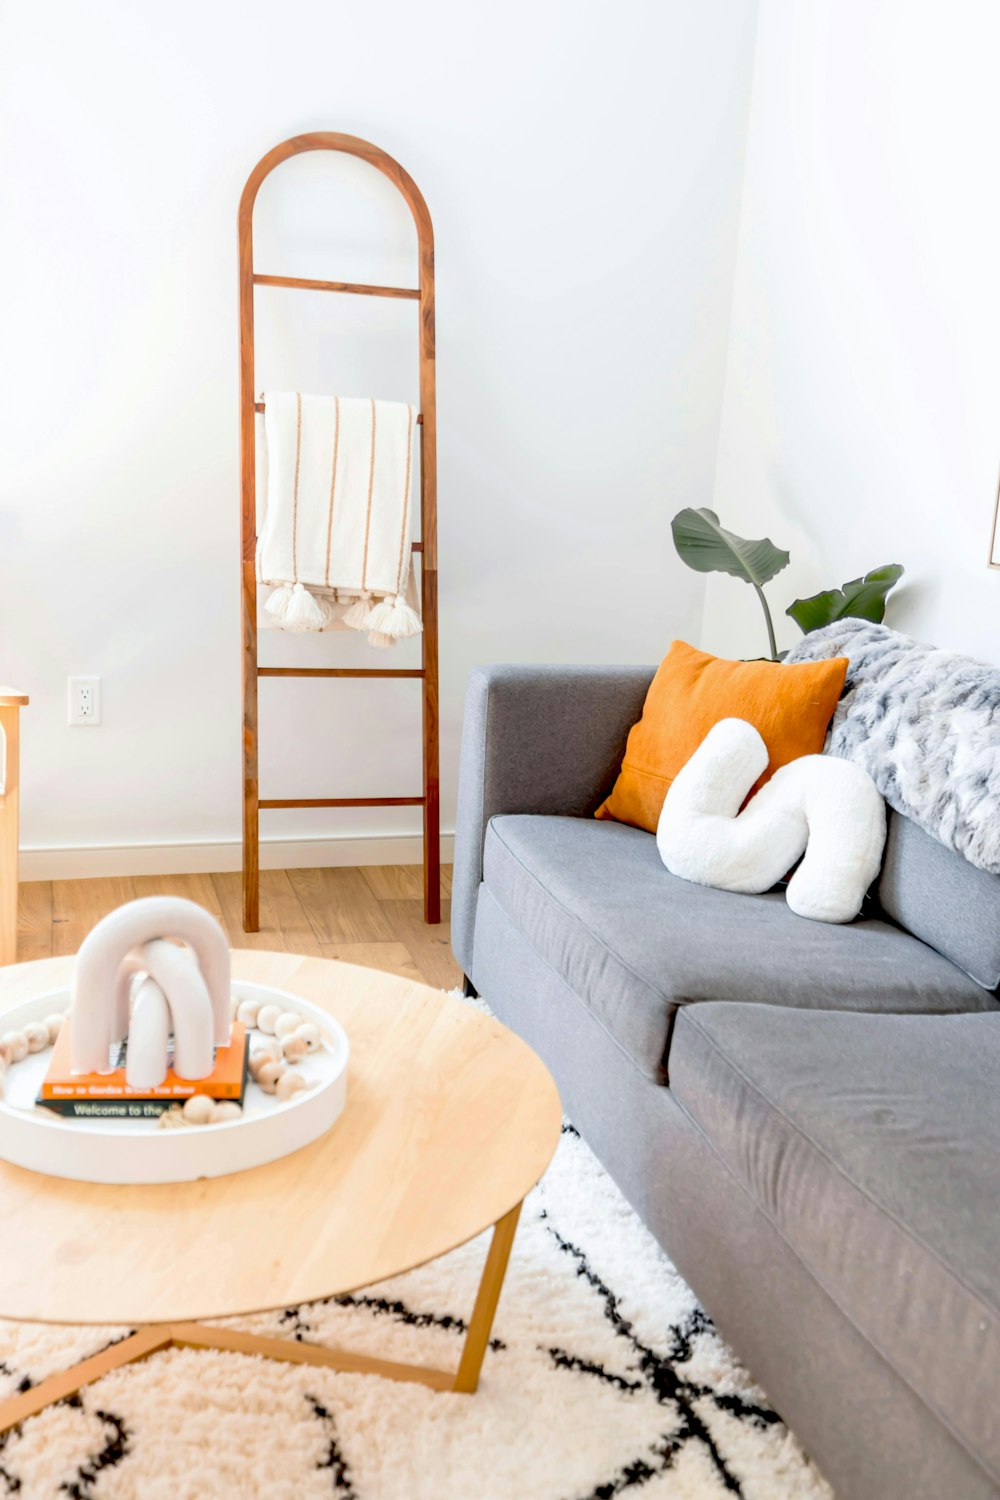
[106,1096]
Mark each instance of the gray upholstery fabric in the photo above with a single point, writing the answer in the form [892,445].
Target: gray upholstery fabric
[866,1428]
[872,1144]
[936,894]
[635,942]
[535,739]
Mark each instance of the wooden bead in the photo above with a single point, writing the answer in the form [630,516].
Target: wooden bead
[310,1034]
[16,1043]
[247,1011]
[290,1084]
[267,1051]
[197,1109]
[53,1025]
[266,1017]
[287,1022]
[294,1047]
[270,1075]
[225,1109]
[170,1119]
[36,1034]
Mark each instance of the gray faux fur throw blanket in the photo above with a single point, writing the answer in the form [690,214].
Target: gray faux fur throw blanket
[925,724]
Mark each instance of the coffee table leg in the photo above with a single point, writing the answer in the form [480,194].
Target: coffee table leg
[67,1382]
[480,1324]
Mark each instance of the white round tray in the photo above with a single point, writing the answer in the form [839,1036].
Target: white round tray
[133,1151]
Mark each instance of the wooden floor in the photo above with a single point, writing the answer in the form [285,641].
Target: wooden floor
[371,916]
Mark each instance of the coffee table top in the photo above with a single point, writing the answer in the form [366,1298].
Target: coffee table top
[450,1120]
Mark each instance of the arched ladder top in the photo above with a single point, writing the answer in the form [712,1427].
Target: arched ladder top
[351,145]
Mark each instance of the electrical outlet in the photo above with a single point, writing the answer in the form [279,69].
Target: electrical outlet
[84,701]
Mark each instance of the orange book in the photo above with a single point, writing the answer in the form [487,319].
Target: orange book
[95,1093]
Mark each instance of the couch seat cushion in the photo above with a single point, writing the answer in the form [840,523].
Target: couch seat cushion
[872,1143]
[635,942]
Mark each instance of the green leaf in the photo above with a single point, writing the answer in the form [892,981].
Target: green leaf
[861,598]
[709,548]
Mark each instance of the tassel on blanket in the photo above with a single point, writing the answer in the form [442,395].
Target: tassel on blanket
[277,603]
[393,618]
[358,614]
[298,610]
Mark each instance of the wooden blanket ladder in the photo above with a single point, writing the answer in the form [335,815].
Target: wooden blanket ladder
[426,546]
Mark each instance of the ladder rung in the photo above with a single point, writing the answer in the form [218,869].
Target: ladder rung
[341,802]
[340,671]
[259,406]
[360,287]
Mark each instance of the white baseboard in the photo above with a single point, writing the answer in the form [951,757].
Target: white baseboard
[89,861]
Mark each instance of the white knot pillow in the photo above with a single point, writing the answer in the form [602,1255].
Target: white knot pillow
[818,806]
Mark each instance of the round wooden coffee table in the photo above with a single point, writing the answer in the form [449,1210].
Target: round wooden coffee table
[450,1120]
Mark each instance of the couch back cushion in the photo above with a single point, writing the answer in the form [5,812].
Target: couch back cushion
[941,898]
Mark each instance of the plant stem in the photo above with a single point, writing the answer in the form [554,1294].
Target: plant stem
[767,617]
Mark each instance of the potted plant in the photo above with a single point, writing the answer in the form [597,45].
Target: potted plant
[707,547]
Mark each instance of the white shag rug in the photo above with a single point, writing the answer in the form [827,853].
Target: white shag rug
[605,1378]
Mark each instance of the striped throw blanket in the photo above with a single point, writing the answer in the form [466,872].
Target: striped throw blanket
[334,538]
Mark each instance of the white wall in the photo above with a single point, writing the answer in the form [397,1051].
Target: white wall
[860,422]
[583,166]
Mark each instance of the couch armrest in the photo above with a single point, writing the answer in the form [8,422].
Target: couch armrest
[535,740]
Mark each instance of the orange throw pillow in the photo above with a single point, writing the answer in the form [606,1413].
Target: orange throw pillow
[790,706]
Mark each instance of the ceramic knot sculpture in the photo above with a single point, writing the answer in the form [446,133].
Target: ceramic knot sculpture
[133,979]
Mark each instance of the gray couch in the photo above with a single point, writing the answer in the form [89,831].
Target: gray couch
[807,1116]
